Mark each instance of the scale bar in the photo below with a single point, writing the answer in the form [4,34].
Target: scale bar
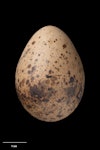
[14,142]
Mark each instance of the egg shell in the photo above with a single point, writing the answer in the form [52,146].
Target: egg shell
[49,76]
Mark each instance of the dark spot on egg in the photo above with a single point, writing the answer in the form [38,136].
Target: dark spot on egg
[39,37]
[36,92]
[33,68]
[22,70]
[28,106]
[48,76]
[22,83]
[55,40]
[77,81]
[57,68]
[73,101]
[71,80]
[60,57]
[68,72]
[29,66]
[70,91]
[33,42]
[66,83]
[62,54]
[58,82]
[50,72]
[55,61]
[27,81]
[38,54]
[26,52]
[74,76]
[75,58]
[64,46]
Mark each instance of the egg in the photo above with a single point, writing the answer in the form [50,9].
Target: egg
[49,77]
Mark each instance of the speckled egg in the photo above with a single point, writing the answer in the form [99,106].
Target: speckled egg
[49,76]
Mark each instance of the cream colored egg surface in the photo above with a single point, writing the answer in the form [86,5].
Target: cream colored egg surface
[49,75]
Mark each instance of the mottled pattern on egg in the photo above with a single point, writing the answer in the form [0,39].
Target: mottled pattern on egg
[49,76]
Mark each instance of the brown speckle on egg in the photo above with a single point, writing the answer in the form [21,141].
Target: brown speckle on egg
[68,72]
[27,81]
[33,68]
[22,82]
[57,68]
[33,42]
[48,76]
[28,106]
[75,57]
[64,46]
[56,61]
[50,72]
[29,66]
[55,40]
